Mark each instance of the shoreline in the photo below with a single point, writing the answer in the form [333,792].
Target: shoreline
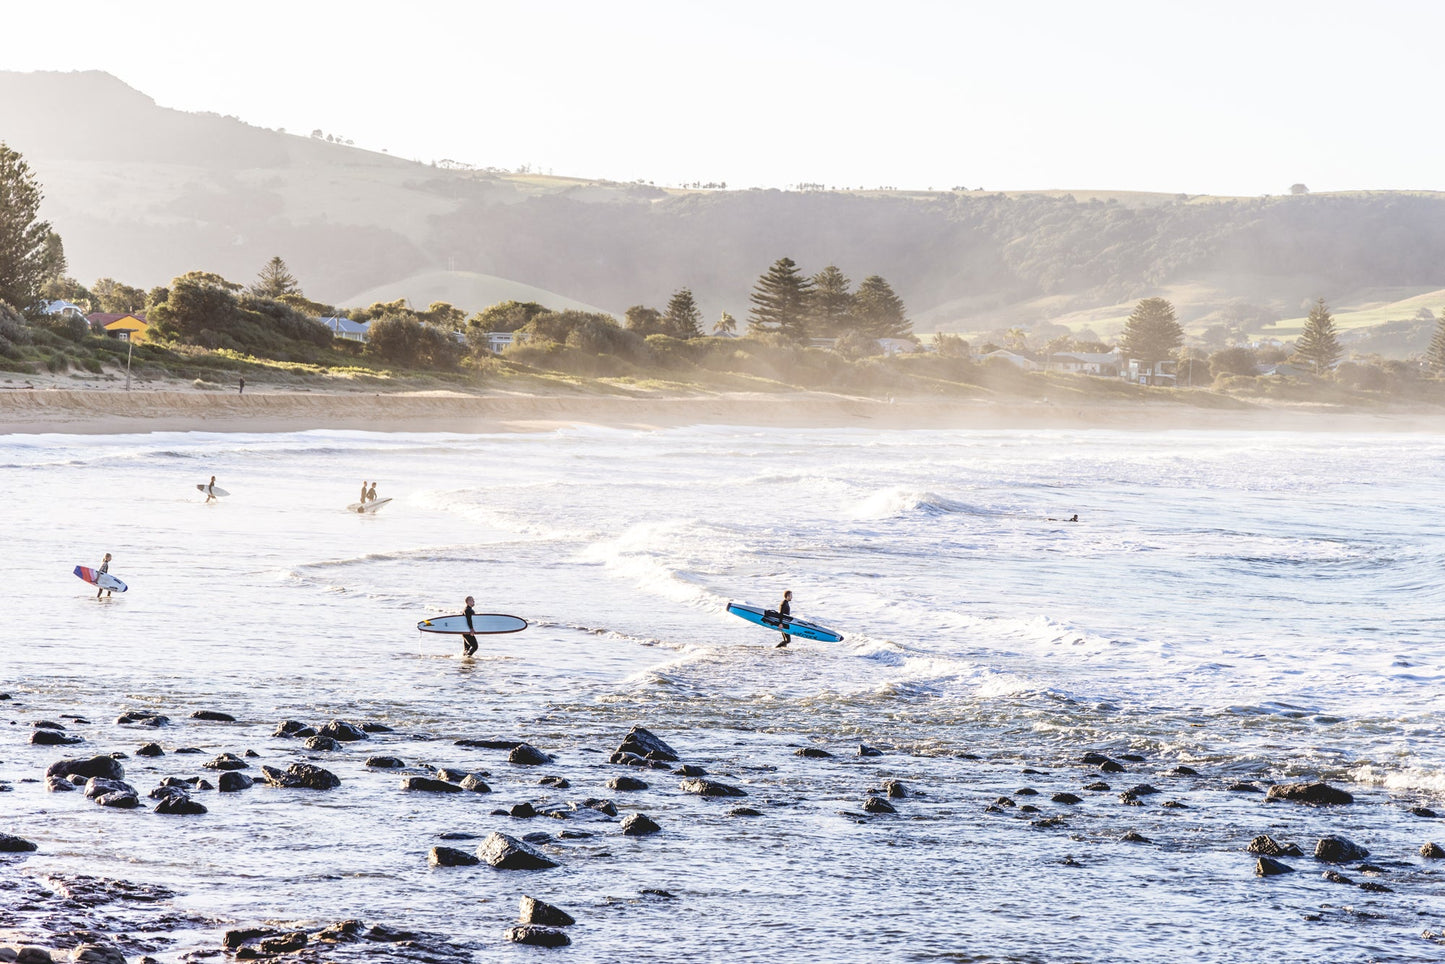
[105,411]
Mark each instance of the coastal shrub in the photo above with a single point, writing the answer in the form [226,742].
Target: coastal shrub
[1362,376]
[674,353]
[399,340]
[202,312]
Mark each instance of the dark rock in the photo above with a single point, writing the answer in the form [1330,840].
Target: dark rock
[302,776]
[1030,771]
[322,743]
[377,728]
[894,789]
[1068,798]
[1004,802]
[523,811]
[342,731]
[96,766]
[226,761]
[1098,786]
[150,749]
[143,718]
[1269,867]
[203,784]
[814,753]
[53,738]
[1432,851]
[537,936]
[489,744]
[508,853]
[234,940]
[1312,794]
[99,786]
[689,770]
[450,775]
[474,783]
[1174,805]
[47,725]
[428,785]
[574,834]
[1269,847]
[866,750]
[10,844]
[527,755]
[165,791]
[1335,877]
[1029,808]
[1109,766]
[451,857]
[214,716]
[233,782]
[119,800]
[290,728]
[1131,757]
[58,784]
[878,805]
[179,803]
[639,825]
[559,783]
[1142,790]
[645,743]
[1026,792]
[601,806]
[342,932]
[1184,771]
[1092,759]
[744,812]
[1055,821]
[389,935]
[1338,850]
[534,911]
[1243,788]
[711,788]
[1376,888]
[385,762]
[626,783]
[537,837]
[1370,869]
[189,749]
[1131,836]
[284,943]
[1423,812]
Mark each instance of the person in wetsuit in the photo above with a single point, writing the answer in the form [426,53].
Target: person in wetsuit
[785,609]
[371,493]
[469,642]
[104,567]
[211,490]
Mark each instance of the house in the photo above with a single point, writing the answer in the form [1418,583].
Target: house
[1104,363]
[126,327]
[895,346]
[64,309]
[498,341]
[342,327]
[1017,360]
[1160,373]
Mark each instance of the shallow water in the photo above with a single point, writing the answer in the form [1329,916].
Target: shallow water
[1259,606]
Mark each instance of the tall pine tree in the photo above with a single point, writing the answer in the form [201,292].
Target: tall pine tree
[1152,332]
[830,304]
[682,318]
[878,312]
[275,280]
[1435,354]
[26,260]
[1317,345]
[780,300]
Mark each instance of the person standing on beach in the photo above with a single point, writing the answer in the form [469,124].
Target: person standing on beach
[785,611]
[469,642]
[371,493]
[241,390]
[211,490]
[104,568]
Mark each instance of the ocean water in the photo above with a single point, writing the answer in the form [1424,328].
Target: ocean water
[1259,607]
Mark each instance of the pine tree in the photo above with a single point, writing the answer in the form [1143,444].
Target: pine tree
[1152,332]
[27,259]
[780,300]
[830,304]
[1435,354]
[682,318]
[878,312]
[275,280]
[1317,345]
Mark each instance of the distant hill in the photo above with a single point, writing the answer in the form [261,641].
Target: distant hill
[142,193]
[461,288]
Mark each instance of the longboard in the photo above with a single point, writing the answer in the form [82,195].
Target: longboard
[769,619]
[216,490]
[103,580]
[371,506]
[482,624]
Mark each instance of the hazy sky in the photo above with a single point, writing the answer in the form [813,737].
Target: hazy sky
[1204,98]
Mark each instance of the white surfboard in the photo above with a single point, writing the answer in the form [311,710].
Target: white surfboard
[371,506]
[215,490]
[103,580]
[482,624]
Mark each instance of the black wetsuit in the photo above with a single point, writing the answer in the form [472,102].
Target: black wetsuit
[104,567]
[469,642]
[785,609]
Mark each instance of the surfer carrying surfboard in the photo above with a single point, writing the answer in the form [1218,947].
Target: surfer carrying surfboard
[104,567]
[785,609]
[211,490]
[469,642]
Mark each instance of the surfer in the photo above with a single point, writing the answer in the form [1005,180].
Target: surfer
[363,491]
[785,609]
[211,490]
[371,493]
[469,642]
[241,389]
[104,567]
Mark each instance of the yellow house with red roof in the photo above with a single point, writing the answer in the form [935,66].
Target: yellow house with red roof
[126,327]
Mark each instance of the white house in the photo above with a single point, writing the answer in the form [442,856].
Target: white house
[345,327]
[499,341]
[63,308]
[1086,362]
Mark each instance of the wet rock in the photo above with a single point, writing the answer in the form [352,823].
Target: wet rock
[527,755]
[688,770]
[894,789]
[450,775]
[1335,877]
[639,825]
[1432,851]
[536,936]
[878,805]
[180,803]
[474,783]
[213,716]
[58,784]
[169,787]
[32,955]
[428,785]
[1066,798]
[226,761]
[534,911]
[489,744]
[1004,802]
[97,766]
[1026,792]
[10,844]
[1339,850]
[1141,790]
[558,783]
[119,800]
[626,783]
[1174,805]
[1184,771]
[322,743]
[813,753]
[233,782]
[377,728]
[523,811]
[53,738]
[508,853]
[601,806]
[342,731]
[1030,771]
[150,749]
[1243,788]
[100,786]
[1131,757]
[301,776]
[645,743]
[200,783]
[1371,885]
[189,749]
[1311,794]
[47,725]
[1098,786]
[1131,836]
[574,835]
[290,728]
[451,857]
[1267,846]
[1423,812]
[1092,759]
[1110,766]
[142,718]
[284,943]
[385,762]
[537,837]
[1269,867]
[711,788]
[866,750]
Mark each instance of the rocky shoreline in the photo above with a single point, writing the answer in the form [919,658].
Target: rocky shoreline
[529,805]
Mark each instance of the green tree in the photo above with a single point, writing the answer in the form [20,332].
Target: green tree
[1317,346]
[682,318]
[116,298]
[644,320]
[26,256]
[830,304]
[1233,361]
[780,300]
[275,280]
[879,312]
[1435,354]
[950,346]
[505,316]
[402,340]
[444,315]
[68,289]
[1152,332]
[726,325]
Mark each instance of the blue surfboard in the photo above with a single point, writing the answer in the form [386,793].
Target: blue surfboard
[769,619]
